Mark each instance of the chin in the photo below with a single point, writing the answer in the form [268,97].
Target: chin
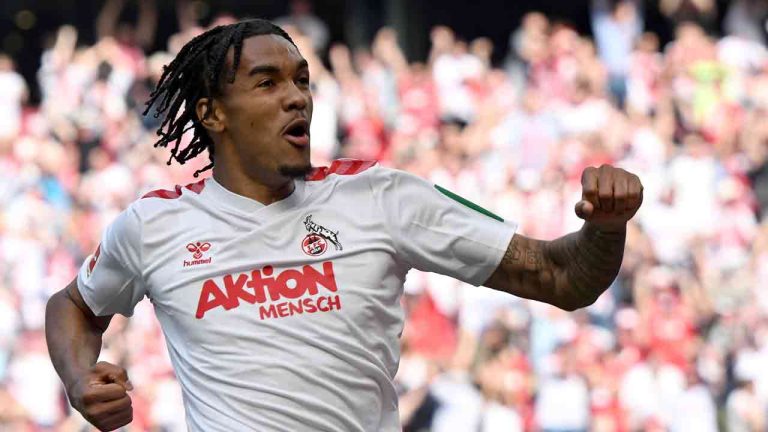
[295,171]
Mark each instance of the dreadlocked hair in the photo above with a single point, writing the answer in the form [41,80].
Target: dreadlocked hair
[196,73]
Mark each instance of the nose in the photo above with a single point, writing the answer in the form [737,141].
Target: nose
[296,99]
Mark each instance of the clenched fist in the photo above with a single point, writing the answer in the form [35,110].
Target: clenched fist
[610,197]
[101,396]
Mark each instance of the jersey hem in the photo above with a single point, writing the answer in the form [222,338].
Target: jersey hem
[502,244]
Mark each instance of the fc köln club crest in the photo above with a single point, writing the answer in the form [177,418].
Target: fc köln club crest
[316,242]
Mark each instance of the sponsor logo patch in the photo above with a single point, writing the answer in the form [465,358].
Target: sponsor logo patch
[198,249]
[314,245]
[316,242]
[271,293]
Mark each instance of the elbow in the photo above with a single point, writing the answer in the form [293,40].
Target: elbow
[572,307]
[575,303]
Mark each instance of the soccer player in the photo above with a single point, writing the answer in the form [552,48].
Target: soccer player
[277,285]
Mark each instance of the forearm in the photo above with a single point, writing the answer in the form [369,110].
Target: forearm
[571,272]
[585,263]
[74,342]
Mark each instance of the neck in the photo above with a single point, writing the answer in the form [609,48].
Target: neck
[240,183]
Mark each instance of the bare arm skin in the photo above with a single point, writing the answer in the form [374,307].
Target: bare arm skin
[572,271]
[74,336]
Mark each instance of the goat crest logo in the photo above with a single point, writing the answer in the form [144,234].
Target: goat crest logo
[315,242]
[198,248]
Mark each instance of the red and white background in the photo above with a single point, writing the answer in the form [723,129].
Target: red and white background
[679,343]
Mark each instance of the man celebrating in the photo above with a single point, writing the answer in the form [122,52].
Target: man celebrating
[277,285]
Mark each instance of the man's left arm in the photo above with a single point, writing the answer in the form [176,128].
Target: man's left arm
[572,271]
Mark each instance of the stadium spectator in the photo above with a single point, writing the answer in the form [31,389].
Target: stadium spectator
[682,335]
[307,23]
[617,27]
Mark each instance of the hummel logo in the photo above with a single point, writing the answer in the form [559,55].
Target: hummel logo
[197,250]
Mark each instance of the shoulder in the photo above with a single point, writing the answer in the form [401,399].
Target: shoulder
[341,167]
[176,192]
[162,198]
[364,176]
[352,170]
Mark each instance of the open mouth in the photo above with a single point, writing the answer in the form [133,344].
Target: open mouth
[297,133]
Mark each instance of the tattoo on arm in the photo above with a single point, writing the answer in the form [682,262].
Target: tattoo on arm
[590,259]
[569,272]
[523,256]
[524,270]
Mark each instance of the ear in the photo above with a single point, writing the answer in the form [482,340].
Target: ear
[212,119]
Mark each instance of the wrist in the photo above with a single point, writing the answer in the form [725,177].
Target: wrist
[598,229]
[73,379]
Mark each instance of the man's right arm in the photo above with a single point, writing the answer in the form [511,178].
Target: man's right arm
[74,336]
[73,333]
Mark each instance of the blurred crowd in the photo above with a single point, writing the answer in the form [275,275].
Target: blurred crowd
[679,341]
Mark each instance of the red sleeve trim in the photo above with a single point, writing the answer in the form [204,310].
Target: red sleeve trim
[340,167]
[94,258]
[196,187]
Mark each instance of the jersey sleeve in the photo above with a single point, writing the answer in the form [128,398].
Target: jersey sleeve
[437,231]
[110,280]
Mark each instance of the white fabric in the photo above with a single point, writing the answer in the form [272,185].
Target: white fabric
[501,418]
[460,403]
[241,366]
[12,91]
[563,403]
[694,410]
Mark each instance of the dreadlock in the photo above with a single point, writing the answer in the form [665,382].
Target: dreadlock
[196,73]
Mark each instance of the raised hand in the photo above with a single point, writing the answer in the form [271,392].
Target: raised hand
[610,197]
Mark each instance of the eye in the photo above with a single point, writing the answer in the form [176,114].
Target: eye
[303,81]
[266,83]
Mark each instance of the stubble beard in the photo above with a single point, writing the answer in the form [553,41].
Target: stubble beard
[295,171]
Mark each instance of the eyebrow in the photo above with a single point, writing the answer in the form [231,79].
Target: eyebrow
[271,69]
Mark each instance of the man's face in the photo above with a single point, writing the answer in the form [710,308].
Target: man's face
[268,109]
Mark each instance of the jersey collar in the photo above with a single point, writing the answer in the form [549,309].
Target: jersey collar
[222,195]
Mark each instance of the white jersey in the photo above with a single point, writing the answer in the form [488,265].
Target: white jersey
[287,317]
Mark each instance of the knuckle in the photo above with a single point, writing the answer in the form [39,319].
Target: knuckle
[96,411]
[102,367]
[94,418]
[88,396]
